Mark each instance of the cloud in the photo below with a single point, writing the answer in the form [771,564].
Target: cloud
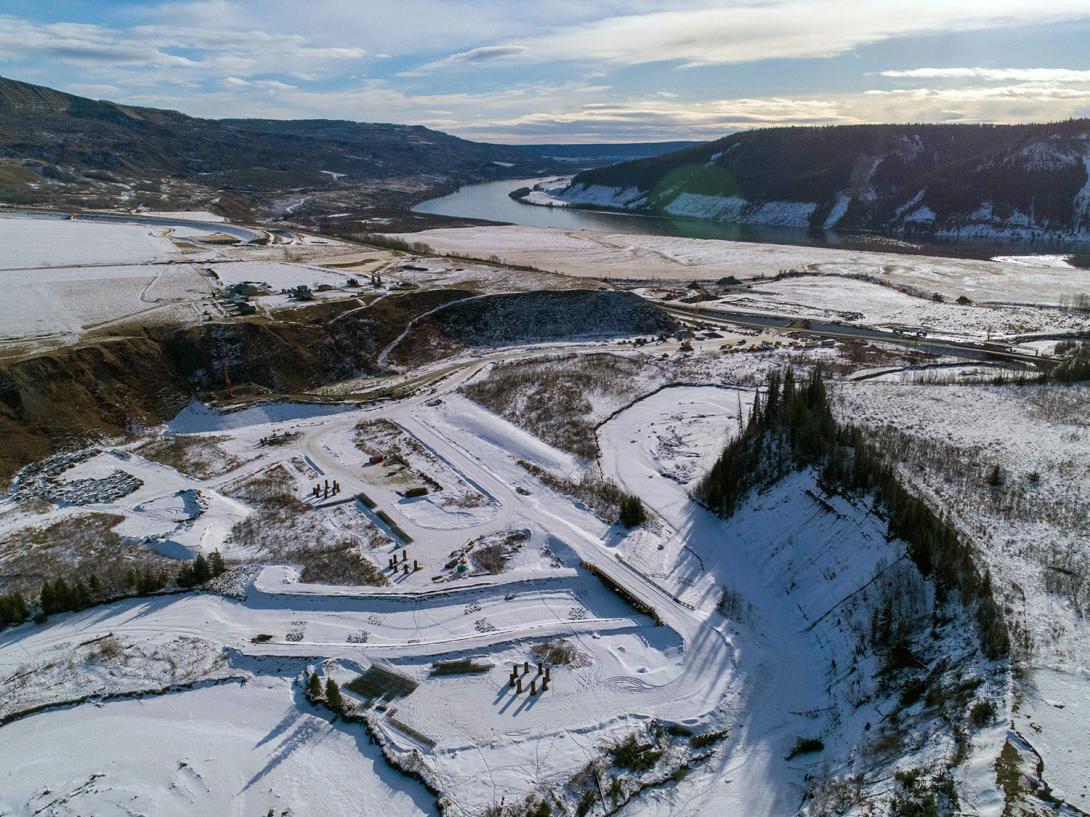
[1038,91]
[225,58]
[80,43]
[486,53]
[993,74]
[474,56]
[755,30]
[208,50]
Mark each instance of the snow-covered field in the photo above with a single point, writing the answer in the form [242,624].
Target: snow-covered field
[793,559]
[224,750]
[724,643]
[63,278]
[587,253]
[34,243]
[63,302]
[833,297]
[278,275]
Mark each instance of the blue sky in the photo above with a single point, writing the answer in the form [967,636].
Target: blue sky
[566,71]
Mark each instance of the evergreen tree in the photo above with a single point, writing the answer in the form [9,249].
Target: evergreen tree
[791,426]
[314,687]
[63,599]
[216,563]
[81,598]
[201,571]
[145,582]
[45,599]
[185,575]
[94,586]
[333,695]
[13,609]
[632,511]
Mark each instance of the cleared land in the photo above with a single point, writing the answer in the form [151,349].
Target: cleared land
[624,256]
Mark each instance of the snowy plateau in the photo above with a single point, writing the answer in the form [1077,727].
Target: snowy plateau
[431,593]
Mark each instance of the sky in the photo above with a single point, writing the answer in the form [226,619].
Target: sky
[522,71]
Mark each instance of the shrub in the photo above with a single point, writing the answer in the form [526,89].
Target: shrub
[982,714]
[913,691]
[13,609]
[805,746]
[558,652]
[677,730]
[915,807]
[707,739]
[633,755]
[340,563]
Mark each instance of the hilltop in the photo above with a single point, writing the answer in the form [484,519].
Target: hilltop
[1028,180]
[57,149]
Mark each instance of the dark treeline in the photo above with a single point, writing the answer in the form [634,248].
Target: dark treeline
[792,428]
[66,595]
[1074,366]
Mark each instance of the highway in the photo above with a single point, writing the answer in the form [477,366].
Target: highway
[825,329]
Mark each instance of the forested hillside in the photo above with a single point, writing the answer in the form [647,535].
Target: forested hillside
[1024,180]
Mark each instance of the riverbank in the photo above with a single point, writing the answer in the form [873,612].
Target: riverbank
[492,202]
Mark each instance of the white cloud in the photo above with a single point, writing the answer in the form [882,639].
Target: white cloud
[208,51]
[994,74]
[757,30]
[1038,91]
[227,58]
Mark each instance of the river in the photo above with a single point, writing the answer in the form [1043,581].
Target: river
[490,201]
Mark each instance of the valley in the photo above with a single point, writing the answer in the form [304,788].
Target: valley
[415,479]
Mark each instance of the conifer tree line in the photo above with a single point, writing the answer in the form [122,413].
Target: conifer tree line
[63,595]
[792,428]
[330,696]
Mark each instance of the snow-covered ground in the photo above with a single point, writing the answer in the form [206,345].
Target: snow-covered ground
[278,275]
[63,278]
[224,750]
[1032,528]
[34,243]
[834,297]
[63,302]
[586,253]
[765,627]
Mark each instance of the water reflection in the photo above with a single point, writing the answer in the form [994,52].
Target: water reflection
[490,201]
